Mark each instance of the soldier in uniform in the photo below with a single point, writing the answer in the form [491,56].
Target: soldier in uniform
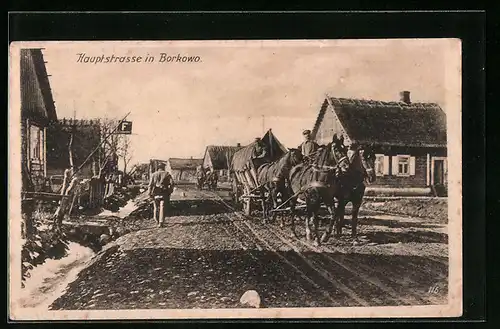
[260,149]
[161,186]
[258,156]
[308,148]
[200,176]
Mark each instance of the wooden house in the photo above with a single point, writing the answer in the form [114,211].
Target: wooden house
[183,169]
[218,158]
[409,139]
[37,113]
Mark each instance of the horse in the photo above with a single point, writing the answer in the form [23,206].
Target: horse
[200,177]
[317,183]
[274,176]
[361,171]
[212,180]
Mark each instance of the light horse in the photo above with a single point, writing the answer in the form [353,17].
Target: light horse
[352,187]
[317,183]
[274,177]
[200,177]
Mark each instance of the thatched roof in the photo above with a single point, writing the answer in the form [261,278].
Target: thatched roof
[184,164]
[388,123]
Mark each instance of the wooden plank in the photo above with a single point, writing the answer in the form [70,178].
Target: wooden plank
[45,194]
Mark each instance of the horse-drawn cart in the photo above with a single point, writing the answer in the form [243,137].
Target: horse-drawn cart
[247,190]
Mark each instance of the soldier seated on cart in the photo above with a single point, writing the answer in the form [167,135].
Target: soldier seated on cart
[259,157]
[309,147]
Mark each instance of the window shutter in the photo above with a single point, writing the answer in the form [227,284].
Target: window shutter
[412,166]
[395,163]
[386,165]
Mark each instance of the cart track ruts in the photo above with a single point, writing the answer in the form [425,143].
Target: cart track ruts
[317,268]
[326,262]
[248,235]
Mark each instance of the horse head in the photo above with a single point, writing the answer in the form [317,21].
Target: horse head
[362,159]
[332,156]
[339,152]
[295,157]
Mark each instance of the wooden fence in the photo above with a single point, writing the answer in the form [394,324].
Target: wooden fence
[97,190]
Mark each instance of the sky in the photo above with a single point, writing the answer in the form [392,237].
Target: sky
[237,89]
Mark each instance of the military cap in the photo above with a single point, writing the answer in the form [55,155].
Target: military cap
[306,132]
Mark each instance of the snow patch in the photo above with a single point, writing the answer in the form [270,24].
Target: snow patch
[48,281]
[122,212]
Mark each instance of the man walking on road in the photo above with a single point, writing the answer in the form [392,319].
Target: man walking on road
[161,186]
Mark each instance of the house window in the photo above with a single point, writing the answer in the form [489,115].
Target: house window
[403,165]
[36,143]
[381,165]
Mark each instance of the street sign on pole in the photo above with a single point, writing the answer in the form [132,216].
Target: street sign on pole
[125,127]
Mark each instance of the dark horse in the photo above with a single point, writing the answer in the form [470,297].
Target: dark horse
[274,177]
[352,187]
[317,183]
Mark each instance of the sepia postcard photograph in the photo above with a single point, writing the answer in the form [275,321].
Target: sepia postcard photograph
[235,179]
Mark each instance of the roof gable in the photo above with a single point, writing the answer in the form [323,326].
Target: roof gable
[220,156]
[178,163]
[389,123]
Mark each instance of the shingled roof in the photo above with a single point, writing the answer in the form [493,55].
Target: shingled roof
[184,164]
[388,123]
[220,156]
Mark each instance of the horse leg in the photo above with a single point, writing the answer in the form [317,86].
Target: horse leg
[315,219]
[354,221]
[276,204]
[339,218]
[307,221]
[292,220]
[329,227]
[272,201]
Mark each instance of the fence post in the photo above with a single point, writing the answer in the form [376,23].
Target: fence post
[28,207]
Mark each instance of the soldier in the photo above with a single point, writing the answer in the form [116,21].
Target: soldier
[161,186]
[309,147]
[260,149]
[258,155]
[200,176]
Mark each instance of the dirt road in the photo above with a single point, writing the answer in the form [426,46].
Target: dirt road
[208,255]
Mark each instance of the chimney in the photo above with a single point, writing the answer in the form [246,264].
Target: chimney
[405,97]
[238,145]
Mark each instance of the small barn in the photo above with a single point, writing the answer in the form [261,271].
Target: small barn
[409,139]
[183,169]
[218,158]
[38,112]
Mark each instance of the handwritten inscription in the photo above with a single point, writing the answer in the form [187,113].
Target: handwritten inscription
[435,289]
[161,58]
